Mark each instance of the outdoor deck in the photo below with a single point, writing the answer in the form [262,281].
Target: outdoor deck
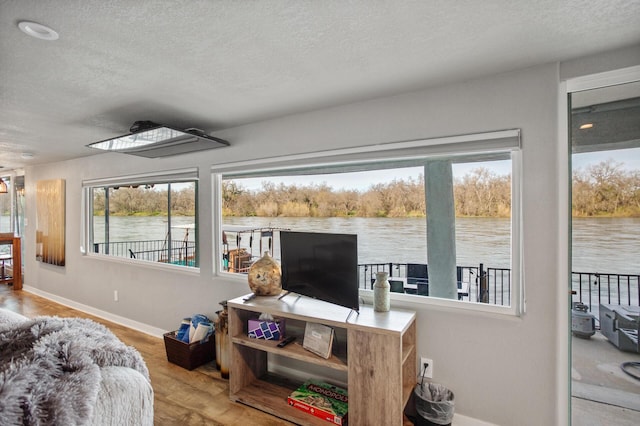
[602,394]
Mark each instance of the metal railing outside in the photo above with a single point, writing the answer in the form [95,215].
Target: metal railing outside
[486,285]
[498,280]
[594,288]
[180,252]
[591,288]
[367,272]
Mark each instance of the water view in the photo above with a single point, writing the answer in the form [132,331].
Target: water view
[402,240]
[600,245]
[604,245]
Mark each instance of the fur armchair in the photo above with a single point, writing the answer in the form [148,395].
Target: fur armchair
[69,371]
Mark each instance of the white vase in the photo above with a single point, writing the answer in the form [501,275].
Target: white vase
[381,288]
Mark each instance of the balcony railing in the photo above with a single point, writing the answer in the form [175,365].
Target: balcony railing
[179,252]
[594,288]
[475,283]
[493,285]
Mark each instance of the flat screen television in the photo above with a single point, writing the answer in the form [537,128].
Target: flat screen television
[321,265]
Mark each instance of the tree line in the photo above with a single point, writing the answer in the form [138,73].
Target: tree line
[145,200]
[480,193]
[606,189]
[603,189]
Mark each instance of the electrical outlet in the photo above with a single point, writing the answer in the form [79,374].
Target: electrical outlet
[428,373]
[115,295]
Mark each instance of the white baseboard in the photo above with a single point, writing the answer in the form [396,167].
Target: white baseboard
[460,420]
[126,322]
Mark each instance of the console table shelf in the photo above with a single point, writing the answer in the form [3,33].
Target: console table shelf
[295,351]
[268,395]
[376,352]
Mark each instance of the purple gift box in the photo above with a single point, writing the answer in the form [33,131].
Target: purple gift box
[268,330]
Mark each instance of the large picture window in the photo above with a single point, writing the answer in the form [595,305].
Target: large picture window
[440,217]
[145,218]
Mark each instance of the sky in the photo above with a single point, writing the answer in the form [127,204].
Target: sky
[629,157]
[363,180]
[357,180]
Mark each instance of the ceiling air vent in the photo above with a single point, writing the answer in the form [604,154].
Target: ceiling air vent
[152,140]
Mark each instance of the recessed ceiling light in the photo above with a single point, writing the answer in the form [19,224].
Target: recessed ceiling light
[38,30]
[26,155]
[586,126]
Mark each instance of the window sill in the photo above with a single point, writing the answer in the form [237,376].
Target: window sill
[414,302]
[145,264]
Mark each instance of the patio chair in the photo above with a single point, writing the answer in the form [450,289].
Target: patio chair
[397,286]
[417,272]
[423,288]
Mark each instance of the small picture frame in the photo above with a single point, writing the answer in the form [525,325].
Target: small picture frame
[318,339]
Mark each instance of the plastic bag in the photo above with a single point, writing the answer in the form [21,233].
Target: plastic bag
[434,403]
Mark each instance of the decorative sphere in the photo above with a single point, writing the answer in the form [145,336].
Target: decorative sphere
[265,276]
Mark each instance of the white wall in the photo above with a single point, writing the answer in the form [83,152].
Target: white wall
[502,369]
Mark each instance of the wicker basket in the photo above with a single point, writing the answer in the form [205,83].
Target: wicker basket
[189,355]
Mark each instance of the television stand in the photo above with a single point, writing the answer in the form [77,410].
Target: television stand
[377,357]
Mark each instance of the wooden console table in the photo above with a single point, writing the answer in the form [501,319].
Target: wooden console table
[374,351]
[16,261]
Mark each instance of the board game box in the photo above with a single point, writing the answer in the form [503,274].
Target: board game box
[323,400]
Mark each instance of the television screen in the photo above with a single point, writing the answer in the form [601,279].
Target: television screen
[322,266]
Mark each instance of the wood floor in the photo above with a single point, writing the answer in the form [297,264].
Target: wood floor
[182,397]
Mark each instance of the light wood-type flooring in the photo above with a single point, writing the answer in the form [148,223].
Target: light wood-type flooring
[182,397]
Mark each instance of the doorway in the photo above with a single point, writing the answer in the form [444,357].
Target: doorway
[604,130]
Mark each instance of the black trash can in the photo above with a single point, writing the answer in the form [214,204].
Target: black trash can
[434,405]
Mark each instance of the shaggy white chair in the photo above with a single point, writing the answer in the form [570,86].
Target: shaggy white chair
[9,318]
[125,396]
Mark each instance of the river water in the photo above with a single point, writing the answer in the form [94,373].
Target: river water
[604,245]
[384,240]
[607,245]
[600,245]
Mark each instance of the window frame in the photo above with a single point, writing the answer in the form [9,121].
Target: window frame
[9,180]
[159,177]
[501,141]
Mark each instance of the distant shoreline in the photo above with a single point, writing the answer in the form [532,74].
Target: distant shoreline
[412,216]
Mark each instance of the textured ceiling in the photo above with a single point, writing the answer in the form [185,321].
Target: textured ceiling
[218,64]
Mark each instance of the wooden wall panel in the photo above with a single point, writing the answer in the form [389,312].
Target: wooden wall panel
[50,226]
